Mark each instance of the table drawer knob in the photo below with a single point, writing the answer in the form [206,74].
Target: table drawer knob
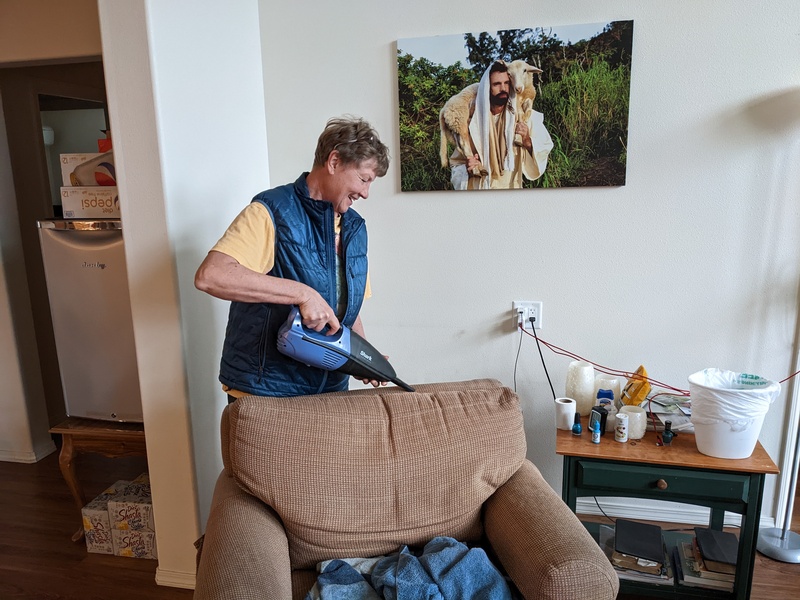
[661,484]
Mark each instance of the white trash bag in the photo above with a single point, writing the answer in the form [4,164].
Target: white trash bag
[728,410]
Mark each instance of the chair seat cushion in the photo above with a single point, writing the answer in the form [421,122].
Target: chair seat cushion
[362,473]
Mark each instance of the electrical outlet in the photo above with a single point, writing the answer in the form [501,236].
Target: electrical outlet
[523,310]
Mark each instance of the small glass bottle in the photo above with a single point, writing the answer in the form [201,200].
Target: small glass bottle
[668,434]
[576,428]
[596,433]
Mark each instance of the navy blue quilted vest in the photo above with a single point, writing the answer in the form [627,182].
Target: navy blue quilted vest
[304,251]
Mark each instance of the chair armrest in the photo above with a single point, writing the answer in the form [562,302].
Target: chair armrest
[245,553]
[542,545]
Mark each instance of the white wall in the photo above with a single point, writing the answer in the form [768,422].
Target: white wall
[29,34]
[34,31]
[693,264]
[186,108]
[23,428]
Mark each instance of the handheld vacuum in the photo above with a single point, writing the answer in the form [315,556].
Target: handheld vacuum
[344,351]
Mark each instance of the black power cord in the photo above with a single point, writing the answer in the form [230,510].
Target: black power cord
[541,356]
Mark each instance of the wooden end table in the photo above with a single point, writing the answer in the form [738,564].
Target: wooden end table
[108,438]
[676,473]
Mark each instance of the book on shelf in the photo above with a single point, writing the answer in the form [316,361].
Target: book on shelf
[686,569]
[728,575]
[718,549]
[662,576]
[640,540]
[634,563]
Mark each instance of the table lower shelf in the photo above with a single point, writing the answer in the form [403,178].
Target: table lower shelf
[672,587]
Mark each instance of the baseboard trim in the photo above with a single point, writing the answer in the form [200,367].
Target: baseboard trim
[176,579]
[38,454]
[670,512]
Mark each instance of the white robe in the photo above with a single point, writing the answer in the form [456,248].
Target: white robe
[518,161]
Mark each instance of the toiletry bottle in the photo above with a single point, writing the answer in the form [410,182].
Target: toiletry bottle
[668,434]
[596,433]
[621,428]
[576,428]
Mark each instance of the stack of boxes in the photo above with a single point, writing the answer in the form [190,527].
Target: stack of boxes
[120,520]
[89,186]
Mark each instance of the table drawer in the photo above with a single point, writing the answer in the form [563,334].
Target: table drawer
[655,479]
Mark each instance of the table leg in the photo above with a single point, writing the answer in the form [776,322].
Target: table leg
[66,462]
[717,519]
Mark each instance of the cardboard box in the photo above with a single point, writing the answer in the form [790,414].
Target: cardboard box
[99,541]
[143,478]
[132,509]
[135,544]
[100,202]
[88,169]
[96,524]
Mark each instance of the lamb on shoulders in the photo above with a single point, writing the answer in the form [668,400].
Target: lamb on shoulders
[521,75]
[454,123]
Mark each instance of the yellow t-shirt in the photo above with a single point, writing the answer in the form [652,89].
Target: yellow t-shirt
[250,240]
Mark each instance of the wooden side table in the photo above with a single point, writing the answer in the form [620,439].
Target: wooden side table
[677,473]
[108,438]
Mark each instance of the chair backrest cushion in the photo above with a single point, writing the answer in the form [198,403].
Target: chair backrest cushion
[360,473]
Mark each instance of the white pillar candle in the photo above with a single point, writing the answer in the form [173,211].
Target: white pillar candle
[637,421]
[580,386]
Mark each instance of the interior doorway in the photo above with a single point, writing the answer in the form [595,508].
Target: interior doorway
[31,96]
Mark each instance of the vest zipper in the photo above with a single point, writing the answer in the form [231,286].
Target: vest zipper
[262,351]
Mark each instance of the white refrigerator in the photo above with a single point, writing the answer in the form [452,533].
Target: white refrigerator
[87,284]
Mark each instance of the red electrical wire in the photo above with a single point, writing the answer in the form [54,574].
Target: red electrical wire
[608,370]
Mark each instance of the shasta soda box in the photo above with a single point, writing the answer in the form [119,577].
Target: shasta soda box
[99,541]
[96,524]
[90,202]
[135,544]
[132,509]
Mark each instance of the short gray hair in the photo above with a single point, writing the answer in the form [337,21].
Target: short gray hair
[355,140]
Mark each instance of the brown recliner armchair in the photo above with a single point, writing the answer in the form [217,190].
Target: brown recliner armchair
[362,473]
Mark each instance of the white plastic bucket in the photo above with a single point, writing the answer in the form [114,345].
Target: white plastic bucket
[720,441]
[728,411]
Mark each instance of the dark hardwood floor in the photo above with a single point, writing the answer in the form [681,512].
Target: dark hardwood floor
[38,560]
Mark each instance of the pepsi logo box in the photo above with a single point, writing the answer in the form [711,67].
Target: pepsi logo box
[97,202]
[88,169]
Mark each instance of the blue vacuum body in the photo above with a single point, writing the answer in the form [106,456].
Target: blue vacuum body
[344,351]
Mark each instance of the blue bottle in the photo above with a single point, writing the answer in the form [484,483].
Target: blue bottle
[576,428]
[596,433]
